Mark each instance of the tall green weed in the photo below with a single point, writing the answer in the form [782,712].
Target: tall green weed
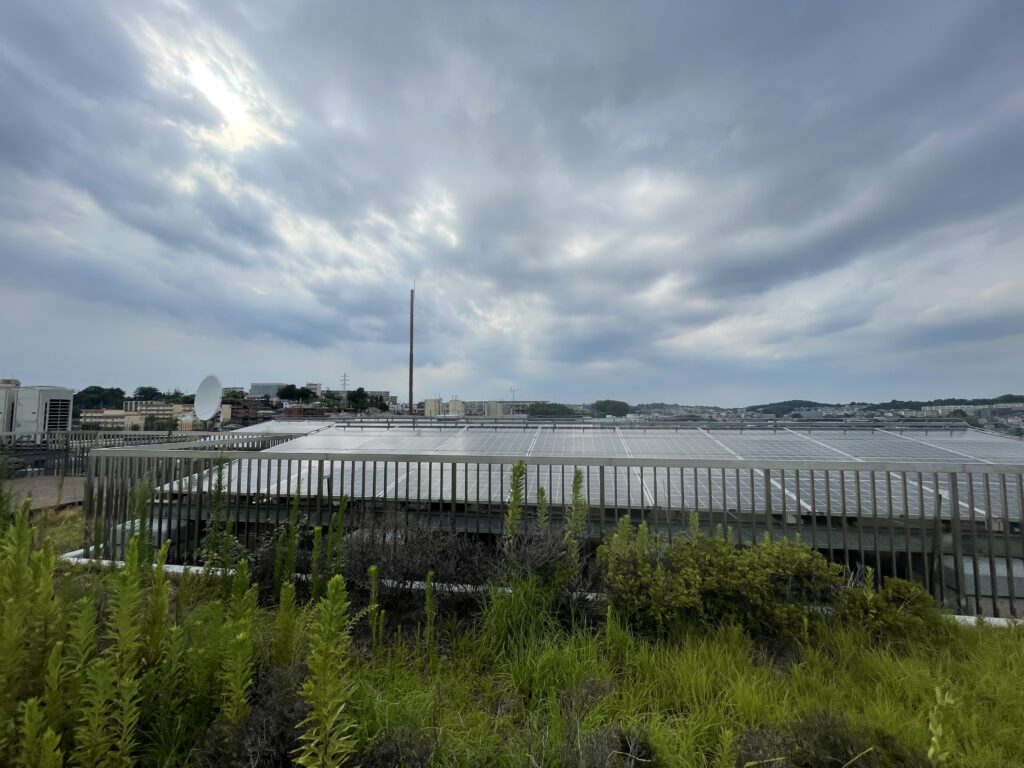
[326,740]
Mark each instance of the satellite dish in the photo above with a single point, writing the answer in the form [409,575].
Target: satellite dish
[207,398]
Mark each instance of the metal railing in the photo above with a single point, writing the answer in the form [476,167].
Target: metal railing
[645,424]
[64,454]
[955,528]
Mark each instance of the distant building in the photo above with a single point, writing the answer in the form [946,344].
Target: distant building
[311,410]
[28,410]
[496,409]
[112,419]
[244,412]
[456,407]
[433,407]
[316,389]
[156,409]
[265,389]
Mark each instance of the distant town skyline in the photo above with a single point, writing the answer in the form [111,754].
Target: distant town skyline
[665,201]
[401,395]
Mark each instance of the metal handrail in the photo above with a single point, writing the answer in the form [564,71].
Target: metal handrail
[940,522]
[581,461]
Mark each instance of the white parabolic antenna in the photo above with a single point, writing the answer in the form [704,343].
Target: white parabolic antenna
[207,398]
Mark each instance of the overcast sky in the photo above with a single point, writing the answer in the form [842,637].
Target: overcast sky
[697,203]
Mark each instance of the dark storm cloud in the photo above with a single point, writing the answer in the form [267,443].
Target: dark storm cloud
[688,191]
[991,327]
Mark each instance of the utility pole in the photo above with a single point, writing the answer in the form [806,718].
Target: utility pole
[412,301]
[514,390]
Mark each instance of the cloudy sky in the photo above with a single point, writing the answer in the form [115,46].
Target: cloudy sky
[697,203]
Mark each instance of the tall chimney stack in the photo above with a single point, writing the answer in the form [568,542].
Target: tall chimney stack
[412,403]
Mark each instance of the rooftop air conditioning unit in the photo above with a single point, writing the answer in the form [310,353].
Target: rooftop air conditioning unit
[42,409]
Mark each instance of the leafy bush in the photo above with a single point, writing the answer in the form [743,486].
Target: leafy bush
[900,611]
[654,596]
[772,589]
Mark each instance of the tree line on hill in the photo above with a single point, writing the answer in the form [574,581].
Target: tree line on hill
[357,399]
[599,409]
[916,405]
[786,407]
[95,396]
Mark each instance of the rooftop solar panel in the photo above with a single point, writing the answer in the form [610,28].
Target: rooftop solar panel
[971,446]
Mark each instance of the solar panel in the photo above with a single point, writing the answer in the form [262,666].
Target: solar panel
[441,476]
[683,443]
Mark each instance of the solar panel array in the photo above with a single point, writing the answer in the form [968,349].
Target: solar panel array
[960,446]
[443,476]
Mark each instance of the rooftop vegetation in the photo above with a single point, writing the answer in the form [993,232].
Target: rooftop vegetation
[325,649]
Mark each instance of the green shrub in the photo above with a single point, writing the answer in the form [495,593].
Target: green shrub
[900,611]
[644,590]
[773,589]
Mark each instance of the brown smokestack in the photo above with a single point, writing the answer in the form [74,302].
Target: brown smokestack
[412,405]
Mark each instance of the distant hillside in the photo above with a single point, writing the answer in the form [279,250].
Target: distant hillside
[916,405]
[788,406]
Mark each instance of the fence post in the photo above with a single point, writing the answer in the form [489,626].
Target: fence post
[88,510]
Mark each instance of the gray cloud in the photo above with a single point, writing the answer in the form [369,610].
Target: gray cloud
[666,201]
